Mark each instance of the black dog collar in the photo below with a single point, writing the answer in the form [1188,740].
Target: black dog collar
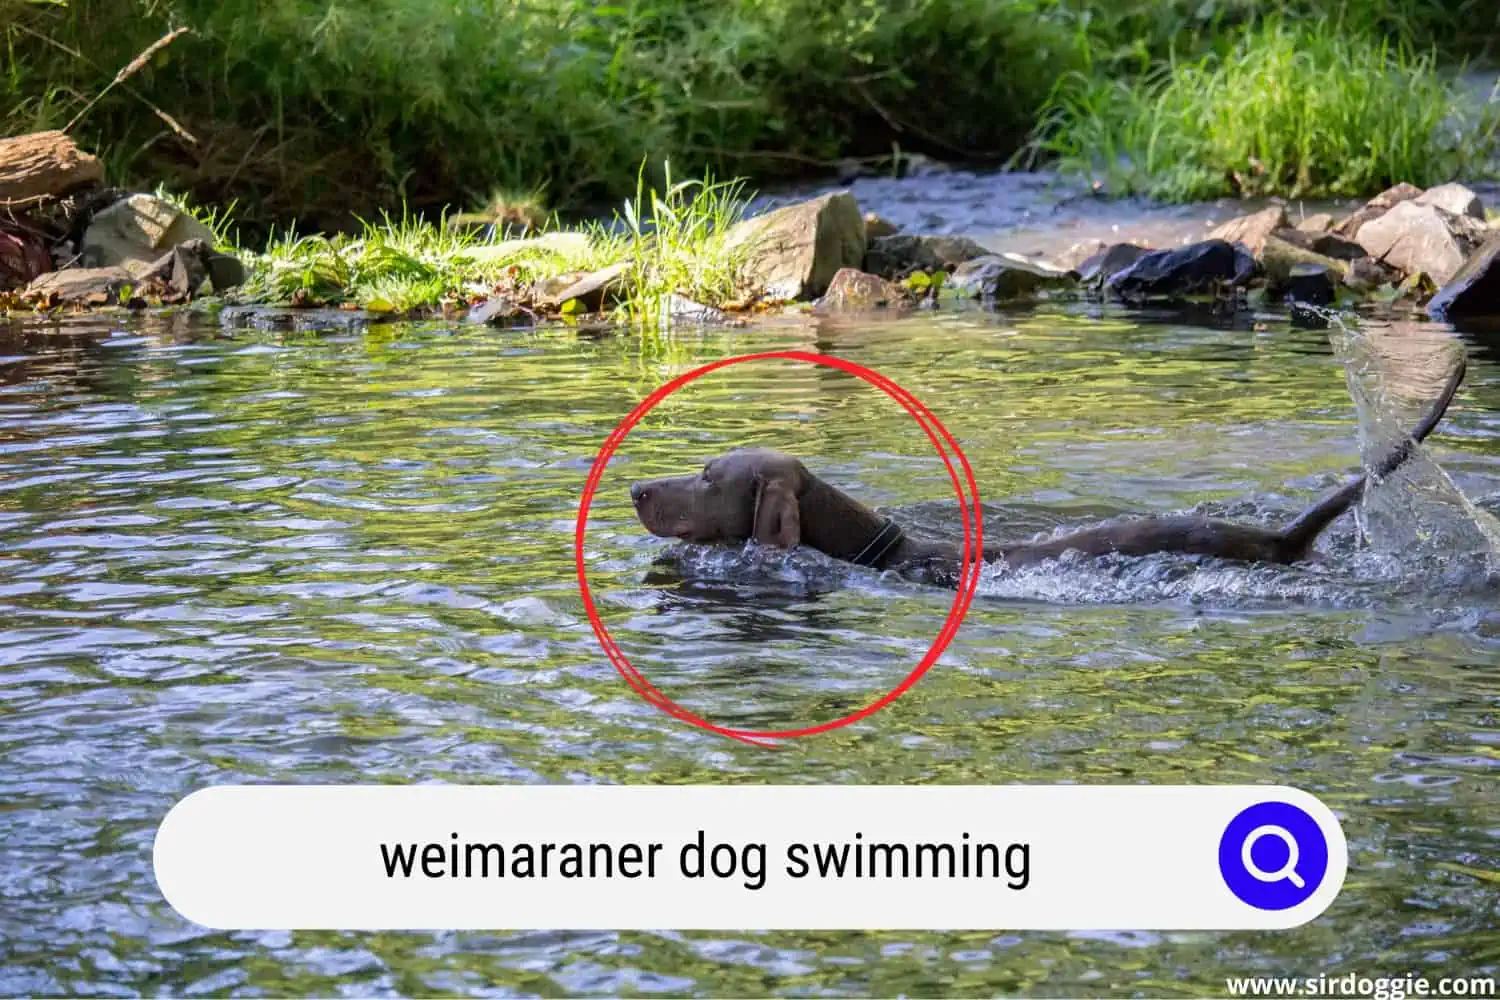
[889,535]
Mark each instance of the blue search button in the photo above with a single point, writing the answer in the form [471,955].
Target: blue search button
[1273,856]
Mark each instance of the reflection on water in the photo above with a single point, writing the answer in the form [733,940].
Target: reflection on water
[341,557]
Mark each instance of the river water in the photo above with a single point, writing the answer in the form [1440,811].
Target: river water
[346,556]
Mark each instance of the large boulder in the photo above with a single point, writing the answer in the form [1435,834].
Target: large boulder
[896,257]
[794,251]
[1412,238]
[1474,290]
[999,277]
[134,233]
[1454,199]
[1208,266]
[1252,230]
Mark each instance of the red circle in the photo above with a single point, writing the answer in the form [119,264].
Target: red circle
[968,583]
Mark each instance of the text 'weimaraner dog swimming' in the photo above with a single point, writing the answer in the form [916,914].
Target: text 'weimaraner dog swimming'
[771,497]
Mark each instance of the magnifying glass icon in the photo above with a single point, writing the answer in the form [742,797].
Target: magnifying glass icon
[1288,871]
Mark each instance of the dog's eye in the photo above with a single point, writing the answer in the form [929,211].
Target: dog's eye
[705,476]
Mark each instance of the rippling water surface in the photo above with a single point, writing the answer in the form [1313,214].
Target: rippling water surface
[347,557]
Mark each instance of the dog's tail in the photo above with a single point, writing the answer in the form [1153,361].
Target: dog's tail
[1298,537]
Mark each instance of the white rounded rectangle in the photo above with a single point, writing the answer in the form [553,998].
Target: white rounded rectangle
[698,857]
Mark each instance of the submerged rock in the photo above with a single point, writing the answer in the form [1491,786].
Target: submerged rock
[795,251]
[1414,238]
[681,309]
[1008,276]
[1454,199]
[1252,230]
[896,257]
[1475,290]
[853,289]
[135,232]
[80,286]
[1194,269]
[1310,284]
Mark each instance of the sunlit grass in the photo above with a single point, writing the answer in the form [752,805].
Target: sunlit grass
[674,242]
[1300,110]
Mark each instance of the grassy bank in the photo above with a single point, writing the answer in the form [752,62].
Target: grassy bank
[672,242]
[1306,108]
[316,110]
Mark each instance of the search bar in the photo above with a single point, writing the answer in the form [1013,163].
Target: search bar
[695,857]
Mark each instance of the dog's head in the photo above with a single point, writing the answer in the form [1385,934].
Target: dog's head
[742,494]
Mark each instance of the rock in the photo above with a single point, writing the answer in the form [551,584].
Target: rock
[594,290]
[877,228]
[853,289]
[1413,238]
[135,232]
[1366,275]
[225,271]
[1376,207]
[1102,266]
[1311,284]
[1287,249]
[1076,255]
[1475,290]
[896,257]
[1198,267]
[43,165]
[86,285]
[498,311]
[681,309]
[183,270]
[1323,244]
[1454,199]
[795,251]
[1252,230]
[547,289]
[1007,276]
[1319,222]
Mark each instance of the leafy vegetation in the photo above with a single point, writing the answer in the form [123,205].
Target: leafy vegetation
[1302,109]
[673,242]
[319,111]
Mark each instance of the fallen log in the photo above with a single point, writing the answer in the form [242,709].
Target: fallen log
[42,165]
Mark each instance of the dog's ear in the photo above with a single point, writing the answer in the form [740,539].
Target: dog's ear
[778,519]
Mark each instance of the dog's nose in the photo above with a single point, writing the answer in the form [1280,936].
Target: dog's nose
[639,493]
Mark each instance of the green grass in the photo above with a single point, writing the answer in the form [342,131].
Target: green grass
[317,112]
[674,242]
[1300,109]
[320,110]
